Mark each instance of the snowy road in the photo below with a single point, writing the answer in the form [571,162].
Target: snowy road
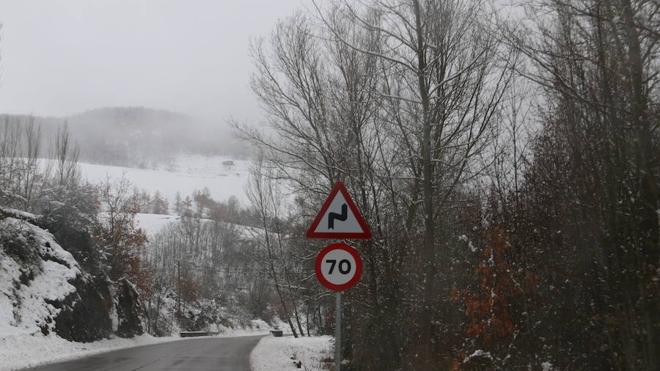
[200,354]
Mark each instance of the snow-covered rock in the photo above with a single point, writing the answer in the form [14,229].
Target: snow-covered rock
[36,277]
[43,288]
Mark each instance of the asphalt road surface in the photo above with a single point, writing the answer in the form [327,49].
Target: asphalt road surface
[198,354]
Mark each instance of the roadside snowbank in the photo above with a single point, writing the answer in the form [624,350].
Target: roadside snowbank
[280,353]
[20,351]
[23,350]
[257,327]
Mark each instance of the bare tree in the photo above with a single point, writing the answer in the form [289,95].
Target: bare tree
[66,155]
[396,98]
[444,75]
[597,64]
[261,192]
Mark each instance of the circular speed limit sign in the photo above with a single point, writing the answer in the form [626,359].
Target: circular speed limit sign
[338,267]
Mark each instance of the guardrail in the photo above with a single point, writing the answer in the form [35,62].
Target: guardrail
[190,334]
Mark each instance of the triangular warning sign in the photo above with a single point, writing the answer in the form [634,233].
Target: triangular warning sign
[339,218]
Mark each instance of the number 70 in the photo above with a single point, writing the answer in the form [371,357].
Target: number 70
[344,265]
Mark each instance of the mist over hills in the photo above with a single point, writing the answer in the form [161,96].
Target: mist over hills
[137,136]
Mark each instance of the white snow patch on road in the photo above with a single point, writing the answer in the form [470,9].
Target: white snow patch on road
[276,353]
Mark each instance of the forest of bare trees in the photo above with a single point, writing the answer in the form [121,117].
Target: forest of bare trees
[507,160]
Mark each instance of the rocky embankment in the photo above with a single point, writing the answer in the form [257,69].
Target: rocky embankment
[48,283]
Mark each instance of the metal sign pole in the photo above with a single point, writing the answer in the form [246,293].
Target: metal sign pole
[346,262]
[338,333]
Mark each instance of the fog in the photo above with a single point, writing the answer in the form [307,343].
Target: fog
[64,57]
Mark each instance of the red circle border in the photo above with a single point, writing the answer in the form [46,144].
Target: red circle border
[358,269]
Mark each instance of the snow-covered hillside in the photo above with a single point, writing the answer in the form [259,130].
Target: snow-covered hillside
[224,177]
[154,223]
[151,224]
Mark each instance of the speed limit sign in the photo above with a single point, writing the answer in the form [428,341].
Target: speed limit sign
[338,267]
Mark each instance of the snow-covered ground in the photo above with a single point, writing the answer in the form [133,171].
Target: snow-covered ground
[27,351]
[20,351]
[25,306]
[185,175]
[280,353]
[151,224]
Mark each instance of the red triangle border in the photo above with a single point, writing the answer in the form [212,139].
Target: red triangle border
[364,235]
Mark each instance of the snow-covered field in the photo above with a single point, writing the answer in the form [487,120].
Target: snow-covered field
[280,353]
[151,224]
[185,175]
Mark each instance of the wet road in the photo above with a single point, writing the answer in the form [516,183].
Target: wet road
[199,354]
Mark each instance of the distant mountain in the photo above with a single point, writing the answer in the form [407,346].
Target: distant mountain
[138,136]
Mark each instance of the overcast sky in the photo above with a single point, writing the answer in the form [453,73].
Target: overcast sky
[62,57]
